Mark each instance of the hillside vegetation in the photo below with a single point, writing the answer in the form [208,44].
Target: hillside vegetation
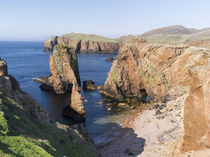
[88,37]
[22,135]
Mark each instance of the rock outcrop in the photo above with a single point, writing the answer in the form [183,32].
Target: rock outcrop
[10,87]
[50,44]
[64,70]
[160,69]
[196,111]
[84,43]
[164,72]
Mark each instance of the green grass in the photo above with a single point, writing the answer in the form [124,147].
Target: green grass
[22,135]
[90,37]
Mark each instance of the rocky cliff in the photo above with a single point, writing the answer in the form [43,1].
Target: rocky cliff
[26,129]
[164,72]
[159,69]
[64,70]
[84,43]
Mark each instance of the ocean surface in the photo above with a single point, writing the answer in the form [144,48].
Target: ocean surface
[27,60]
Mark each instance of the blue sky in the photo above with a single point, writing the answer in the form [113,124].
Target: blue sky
[37,19]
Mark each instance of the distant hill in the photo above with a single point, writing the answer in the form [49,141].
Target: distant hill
[171,30]
[178,34]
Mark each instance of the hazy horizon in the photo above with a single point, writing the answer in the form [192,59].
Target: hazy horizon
[38,20]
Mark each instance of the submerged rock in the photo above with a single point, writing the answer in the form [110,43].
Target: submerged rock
[64,70]
[111,59]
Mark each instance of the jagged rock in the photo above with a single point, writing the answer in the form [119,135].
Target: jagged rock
[64,70]
[84,43]
[49,44]
[196,111]
[161,70]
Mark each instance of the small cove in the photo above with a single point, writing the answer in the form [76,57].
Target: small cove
[27,60]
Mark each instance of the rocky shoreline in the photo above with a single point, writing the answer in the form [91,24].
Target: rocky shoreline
[176,78]
[24,121]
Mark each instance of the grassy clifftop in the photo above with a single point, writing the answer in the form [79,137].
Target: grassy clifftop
[86,37]
[22,135]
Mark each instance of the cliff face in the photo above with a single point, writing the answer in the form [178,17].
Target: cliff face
[84,45]
[158,69]
[165,72]
[64,70]
[26,129]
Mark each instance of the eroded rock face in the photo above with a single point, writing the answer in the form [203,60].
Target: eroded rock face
[83,46]
[9,86]
[196,111]
[159,69]
[64,70]
[50,44]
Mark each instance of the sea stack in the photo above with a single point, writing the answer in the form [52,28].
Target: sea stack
[64,71]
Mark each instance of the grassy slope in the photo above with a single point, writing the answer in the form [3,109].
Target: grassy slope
[86,37]
[22,135]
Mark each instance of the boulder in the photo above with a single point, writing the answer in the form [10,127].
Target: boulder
[64,71]
[89,85]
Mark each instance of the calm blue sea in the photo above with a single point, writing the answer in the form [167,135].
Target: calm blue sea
[27,60]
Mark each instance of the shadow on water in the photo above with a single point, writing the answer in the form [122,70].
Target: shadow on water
[118,141]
